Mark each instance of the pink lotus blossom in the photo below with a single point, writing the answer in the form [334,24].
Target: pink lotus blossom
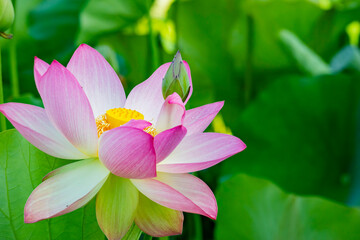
[136,161]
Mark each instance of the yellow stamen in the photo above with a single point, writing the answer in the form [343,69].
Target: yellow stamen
[102,124]
[151,130]
[119,116]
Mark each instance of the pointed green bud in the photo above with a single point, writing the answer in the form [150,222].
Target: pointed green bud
[6,17]
[176,79]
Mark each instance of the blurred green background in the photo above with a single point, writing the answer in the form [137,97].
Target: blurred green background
[288,71]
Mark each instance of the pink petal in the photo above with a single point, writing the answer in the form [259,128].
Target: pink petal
[183,192]
[74,186]
[147,97]
[128,152]
[33,123]
[166,141]
[68,108]
[198,119]
[191,85]
[200,151]
[156,220]
[40,67]
[140,124]
[172,113]
[98,79]
[116,206]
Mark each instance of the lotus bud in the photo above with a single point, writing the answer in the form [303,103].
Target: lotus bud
[6,17]
[176,79]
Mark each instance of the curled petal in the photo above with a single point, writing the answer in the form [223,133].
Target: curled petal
[70,188]
[116,206]
[98,79]
[172,113]
[147,97]
[157,220]
[191,85]
[68,108]
[201,151]
[33,123]
[183,192]
[166,141]
[196,120]
[40,67]
[128,152]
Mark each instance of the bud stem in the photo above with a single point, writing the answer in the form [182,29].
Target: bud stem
[2,118]
[13,68]
[5,35]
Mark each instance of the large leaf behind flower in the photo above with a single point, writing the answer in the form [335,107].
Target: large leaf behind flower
[22,167]
[255,209]
[300,133]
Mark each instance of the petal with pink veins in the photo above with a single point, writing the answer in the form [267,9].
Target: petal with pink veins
[68,108]
[156,220]
[196,120]
[40,67]
[147,96]
[74,186]
[183,192]
[201,151]
[171,114]
[128,152]
[116,206]
[100,82]
[166,141]
[191,86]
[140,124]
[33,123]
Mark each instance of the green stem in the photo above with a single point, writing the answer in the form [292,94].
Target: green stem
[153,47]
[133,233]
[249,51]
[198,227]
[14,77]
[197,222]
[2,118]
[13,69]
[146,237]
[163,238]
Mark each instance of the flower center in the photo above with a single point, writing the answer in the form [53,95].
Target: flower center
[119,116]
[116,117]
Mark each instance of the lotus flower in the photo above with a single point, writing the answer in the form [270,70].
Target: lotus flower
[135,154]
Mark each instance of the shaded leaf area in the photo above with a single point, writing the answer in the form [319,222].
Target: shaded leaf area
[255,209]
[109,16]
[300,133]
[54,25]
[235,45]
[134,49]
[22,167]
[203,37]
[308,61]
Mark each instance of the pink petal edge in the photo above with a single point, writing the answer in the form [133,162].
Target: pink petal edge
[128,152]
[183,192]
[68,108]
[200,151]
